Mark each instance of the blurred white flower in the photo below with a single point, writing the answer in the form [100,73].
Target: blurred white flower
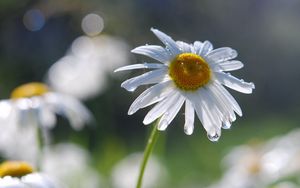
[262,165]
[17,149]
[83,71]
[33,106]
[193,75]
[125,173]
[18,174]
[70,164]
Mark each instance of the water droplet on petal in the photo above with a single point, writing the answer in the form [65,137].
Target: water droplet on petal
[213,137]
[226,124]
[232,118]
[188,130]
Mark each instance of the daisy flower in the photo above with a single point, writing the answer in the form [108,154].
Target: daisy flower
[192,75]
[263,164]
[29,114]
[19,174]
[35,104]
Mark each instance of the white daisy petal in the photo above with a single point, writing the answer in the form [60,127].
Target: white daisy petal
[227,66]
[156,52]
[189,118]
[234,83]
[184,47]
[197,47]
[204,118]
[46,117]
[168,41]
[147,78]
[216,108]
[224,111]
[212,110]
[141,66]
[170,114]
[201,111]
[160,108]
[69,107]
[150,96]
[223,104]
[206,48]
[226,97]
[221,54]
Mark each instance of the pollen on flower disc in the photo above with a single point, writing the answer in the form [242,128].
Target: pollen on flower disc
[189,71]
[15,169]
[29,90]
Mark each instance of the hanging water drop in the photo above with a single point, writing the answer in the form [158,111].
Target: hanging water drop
[188,129]
[213,137]
[226,124]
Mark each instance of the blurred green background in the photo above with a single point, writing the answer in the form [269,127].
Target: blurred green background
[266,34]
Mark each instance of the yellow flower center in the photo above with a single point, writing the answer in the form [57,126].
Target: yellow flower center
[189,71]
[15,169]
[29,90]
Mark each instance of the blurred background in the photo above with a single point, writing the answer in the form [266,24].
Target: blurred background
[266,33]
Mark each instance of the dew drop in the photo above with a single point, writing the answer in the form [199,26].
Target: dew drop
[226,124]
[214,137]
[232,118]
[188,129]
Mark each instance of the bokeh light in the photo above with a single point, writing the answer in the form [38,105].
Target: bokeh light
[92,24]
[34,20]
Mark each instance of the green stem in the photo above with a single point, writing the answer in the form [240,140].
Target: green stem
[148,150]
[39,139]
[42,143]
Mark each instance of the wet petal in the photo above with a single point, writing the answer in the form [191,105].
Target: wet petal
[226,97]
[184,47]
[161,108]
[234,83]
[170,114]
[206,48]
[221,54]
[150,96]
[147,78]
[197,47]
[189,118]
[202,112]
[141,66]
[211,106]
[156,52]
[168,41]
[222,103]
[227,66]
